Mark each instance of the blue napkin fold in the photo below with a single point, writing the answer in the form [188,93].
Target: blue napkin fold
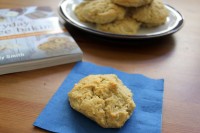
[59,117]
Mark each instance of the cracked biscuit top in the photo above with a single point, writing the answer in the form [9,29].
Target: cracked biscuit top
[104,99]
[151,15]
[99,11]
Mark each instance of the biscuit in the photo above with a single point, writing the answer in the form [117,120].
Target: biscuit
[2,18]
[2,48]
[101,11]
[78,11]
[127,26]
[132,3]
[56,43]
[154,14]
[104,99]
[36,15]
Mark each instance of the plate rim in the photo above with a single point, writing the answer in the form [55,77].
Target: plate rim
[112,35]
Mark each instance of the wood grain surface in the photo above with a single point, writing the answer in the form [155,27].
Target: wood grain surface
[175,58]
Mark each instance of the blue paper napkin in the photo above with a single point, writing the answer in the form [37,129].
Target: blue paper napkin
[59,117]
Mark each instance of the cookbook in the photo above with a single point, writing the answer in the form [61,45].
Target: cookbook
[32,38]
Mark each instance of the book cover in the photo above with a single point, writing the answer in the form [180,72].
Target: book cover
[33,34]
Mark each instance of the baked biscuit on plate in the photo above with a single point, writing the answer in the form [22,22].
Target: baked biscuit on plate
[151,15]
[126,26]
[78,11]
[101,11]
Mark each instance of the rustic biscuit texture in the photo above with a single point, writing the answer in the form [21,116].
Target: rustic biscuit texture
[104,99]
[127,26]
[100,12]
[154,14]
[57,43]
[79,11]
[132,3]
[124,17]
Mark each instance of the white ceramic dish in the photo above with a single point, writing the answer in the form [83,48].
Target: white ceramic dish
[173,24]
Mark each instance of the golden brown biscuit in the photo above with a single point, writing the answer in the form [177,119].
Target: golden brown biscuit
[2,18]
[132,3]
[101,11]
[78,11]
[104,99]
[2,48]
[151,15]
[57,43]
[127,26]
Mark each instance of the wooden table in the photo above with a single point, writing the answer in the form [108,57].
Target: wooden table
[175,58]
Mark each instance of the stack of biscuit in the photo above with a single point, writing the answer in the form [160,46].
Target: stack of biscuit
[122,16]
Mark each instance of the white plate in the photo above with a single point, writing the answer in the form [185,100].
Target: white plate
[173,24]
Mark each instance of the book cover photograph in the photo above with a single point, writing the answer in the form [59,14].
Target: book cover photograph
[32,38]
